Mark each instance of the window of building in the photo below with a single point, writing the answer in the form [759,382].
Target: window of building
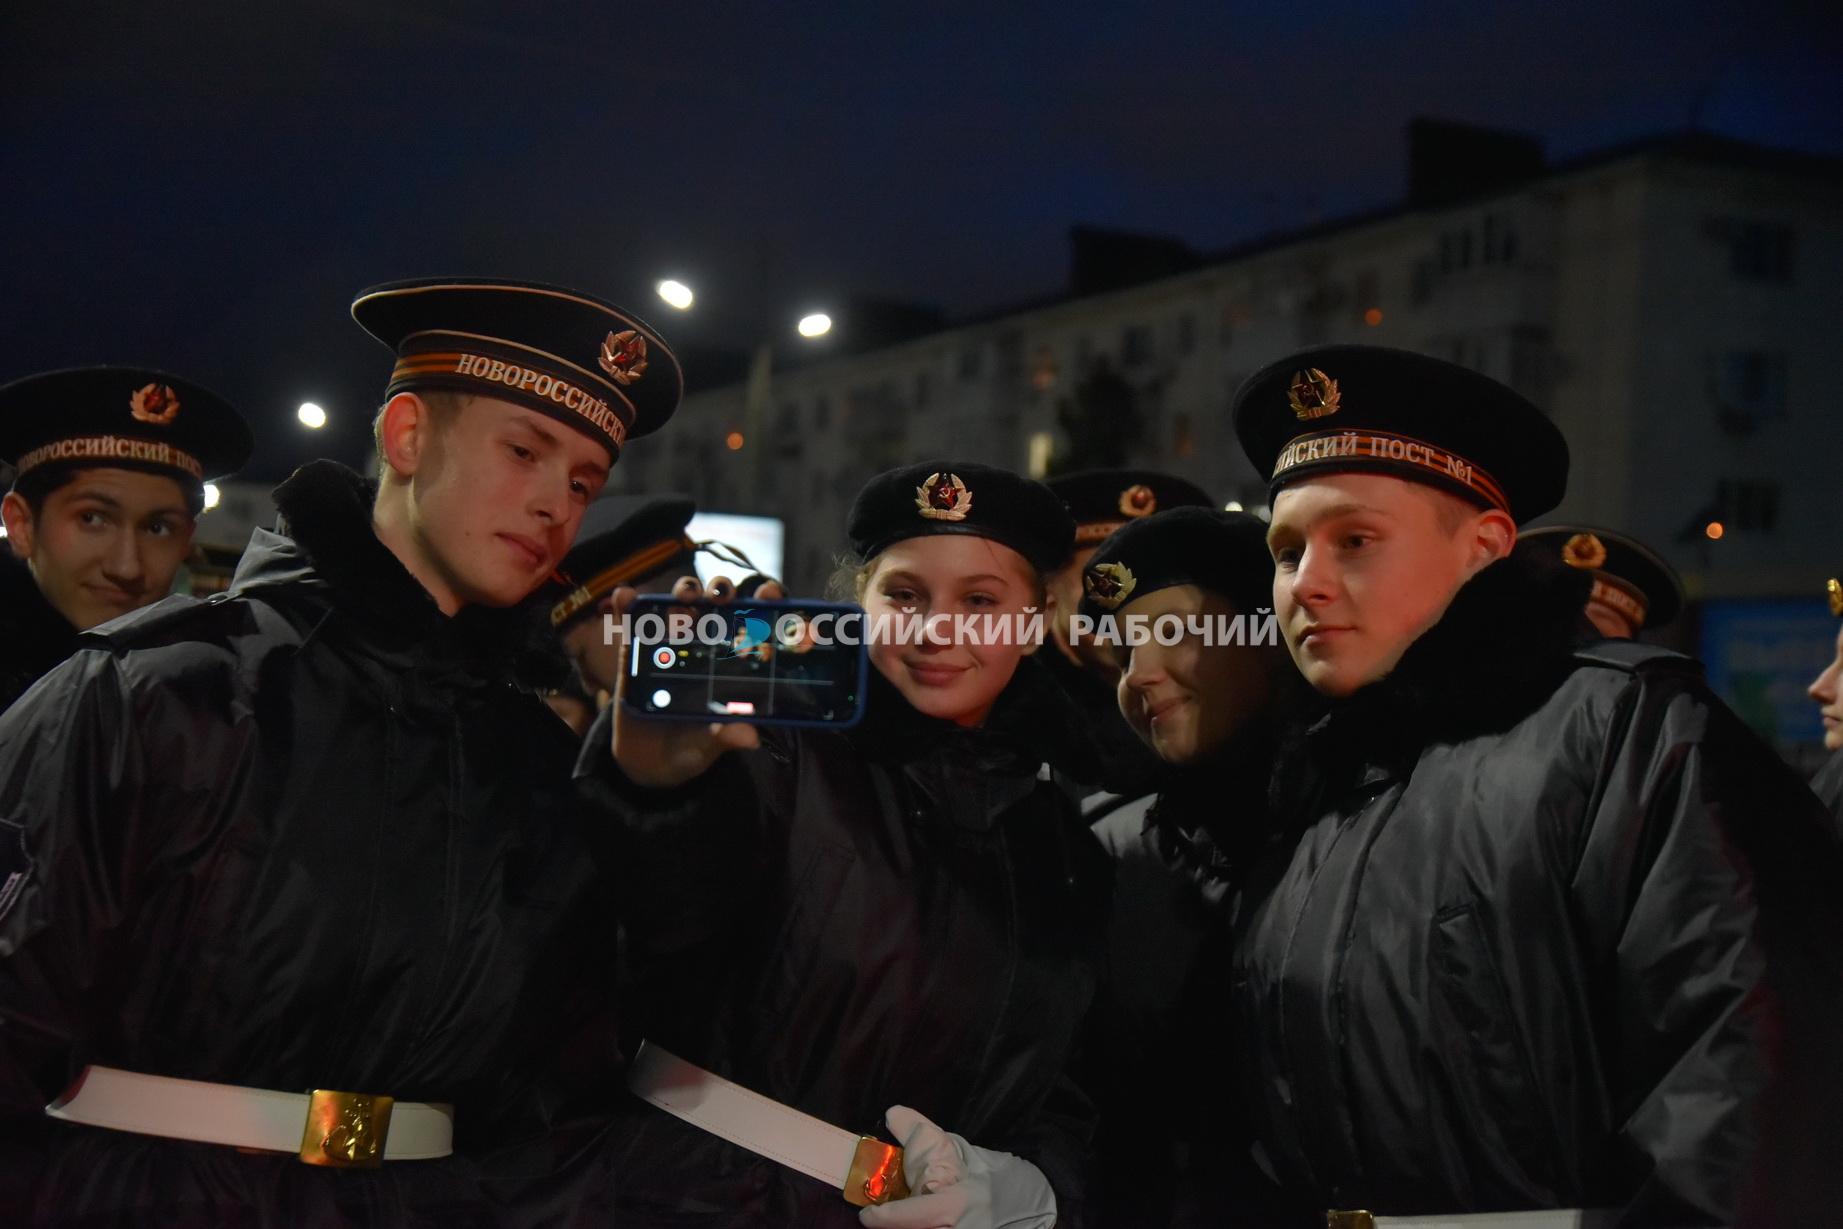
[1186,333]
[1183,438]
[1136,345]
[924,387]
[972,362]
[1043,369]
[822,414]
[1367,297]
[1042,448]
[1757,251]
[1747,505]
[1750,389]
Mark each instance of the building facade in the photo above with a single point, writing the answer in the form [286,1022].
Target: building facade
[1674,305]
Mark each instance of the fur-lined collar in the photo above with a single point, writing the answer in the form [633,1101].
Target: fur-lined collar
[1504,644]
[325,544]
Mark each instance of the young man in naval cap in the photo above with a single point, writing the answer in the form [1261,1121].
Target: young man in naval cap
[109,466]
[1634,589]
[293,873]
[1540,926]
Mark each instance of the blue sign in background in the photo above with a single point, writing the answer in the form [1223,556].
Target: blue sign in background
[1761,654]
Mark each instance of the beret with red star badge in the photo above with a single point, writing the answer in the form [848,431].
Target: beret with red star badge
[961,497]
[1222,552]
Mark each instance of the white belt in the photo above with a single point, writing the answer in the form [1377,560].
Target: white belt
[867,1170]
[1548,1218]
[345,1130]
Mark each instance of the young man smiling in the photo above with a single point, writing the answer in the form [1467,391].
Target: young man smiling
[314,834]
[1540,926]
[110,466]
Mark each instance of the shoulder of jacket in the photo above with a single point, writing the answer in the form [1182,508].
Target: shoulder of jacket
[180,618]
[1632,657]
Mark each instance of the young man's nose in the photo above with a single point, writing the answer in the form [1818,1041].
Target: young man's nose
[123,565]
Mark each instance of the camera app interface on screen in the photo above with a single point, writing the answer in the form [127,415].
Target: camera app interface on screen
[746,661]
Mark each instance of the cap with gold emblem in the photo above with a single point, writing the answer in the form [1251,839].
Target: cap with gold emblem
[1222,552]
[120,418]
[961,497]
[624,540]
[1833,593]
[1628,576]
[1339,408]
[1102,500]
[583,362]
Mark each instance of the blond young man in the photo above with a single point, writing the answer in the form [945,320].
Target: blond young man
[313,834]
[1541,926]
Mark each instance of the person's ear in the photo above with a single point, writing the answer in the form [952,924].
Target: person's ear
[1493,534]
[406,433]
[21,532]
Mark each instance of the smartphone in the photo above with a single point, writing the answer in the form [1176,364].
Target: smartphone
[769,663]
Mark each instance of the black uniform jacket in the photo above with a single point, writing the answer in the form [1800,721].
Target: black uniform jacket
[1548,928]
[904,913]
[305,835]
[1828,786]
[34,637]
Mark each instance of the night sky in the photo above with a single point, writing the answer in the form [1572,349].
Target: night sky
[203,186]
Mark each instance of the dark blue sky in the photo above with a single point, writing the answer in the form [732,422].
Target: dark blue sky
[204,185]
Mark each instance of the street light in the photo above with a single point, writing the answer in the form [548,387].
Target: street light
[312,416]
[212,495]
[675,293]
[818,324]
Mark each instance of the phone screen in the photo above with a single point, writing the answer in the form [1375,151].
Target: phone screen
[770,663]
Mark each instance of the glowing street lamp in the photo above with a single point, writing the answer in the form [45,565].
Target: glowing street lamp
[312,416]
[212,495]
[675,293]
[818,324]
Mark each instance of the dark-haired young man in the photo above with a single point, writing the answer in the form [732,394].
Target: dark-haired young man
[313,834]
[110,465]
[1543,926]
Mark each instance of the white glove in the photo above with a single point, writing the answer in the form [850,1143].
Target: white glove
[954,1185]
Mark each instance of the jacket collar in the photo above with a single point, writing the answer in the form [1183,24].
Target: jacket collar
[1502,647]
[34,631]
[325,546]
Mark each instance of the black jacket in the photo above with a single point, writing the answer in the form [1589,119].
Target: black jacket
[304,835]
[1547,928]
[34,637]
[1828,786]
[843,921]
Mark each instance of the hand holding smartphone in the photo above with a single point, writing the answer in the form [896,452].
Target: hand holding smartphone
[753,661]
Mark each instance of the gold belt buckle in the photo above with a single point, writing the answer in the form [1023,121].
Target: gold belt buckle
[876,1174]
[1358,1219]
[345,1130]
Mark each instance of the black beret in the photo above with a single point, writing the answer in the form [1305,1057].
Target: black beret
[624,540]
[1102,500]
[961,497]
[1628,575]
[597,367]
[1223,552]
[1369,408]
[121,418]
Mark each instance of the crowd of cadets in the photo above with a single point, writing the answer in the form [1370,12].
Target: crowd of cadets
[1452,898]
